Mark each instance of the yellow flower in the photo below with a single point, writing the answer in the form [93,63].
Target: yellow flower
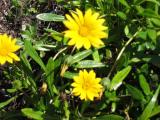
[85,30]
[7,48]
[86,85]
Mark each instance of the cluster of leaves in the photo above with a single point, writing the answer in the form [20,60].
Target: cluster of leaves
[128,64]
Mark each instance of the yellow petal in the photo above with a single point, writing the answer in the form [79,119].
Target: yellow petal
[80,15]
[87,44]
[9,59]
[2,60]
[14,56]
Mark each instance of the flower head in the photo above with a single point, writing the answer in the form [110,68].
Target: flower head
[7,48]
[85,30]
[86,85]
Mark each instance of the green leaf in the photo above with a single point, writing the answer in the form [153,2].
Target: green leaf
[150,13]
[119,77]
[155,21]
[89,64]
[152,34]
[108,54]
[50,74]
[24,59]
[149,108]
[32,52]
[138,2]
[29,112]
[3,104]
[123,2]
[79,56]
[50,71]
[126,30]
[96,56]
[135,93]
[110,117]
[155,111]
[69,75]
[50,17]
[122,15]
[143,35]
[144,84]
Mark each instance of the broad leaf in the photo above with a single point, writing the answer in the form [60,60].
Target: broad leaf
[135,93]
[79,56]
[110,117]
[144,84]
[29,112]
[119,77]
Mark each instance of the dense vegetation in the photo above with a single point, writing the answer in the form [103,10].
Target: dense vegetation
[124,60]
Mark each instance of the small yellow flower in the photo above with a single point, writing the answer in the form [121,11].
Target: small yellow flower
[85,30]
[86,85]
[7,48]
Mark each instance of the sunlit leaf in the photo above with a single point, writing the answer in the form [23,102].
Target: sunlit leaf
[50,17]
[149,108]
[119,77]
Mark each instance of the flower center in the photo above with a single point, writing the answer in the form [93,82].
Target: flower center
[86,85]
[83,31]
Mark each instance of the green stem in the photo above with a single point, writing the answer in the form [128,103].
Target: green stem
[121,52]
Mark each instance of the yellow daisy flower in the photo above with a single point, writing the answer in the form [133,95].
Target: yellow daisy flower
[7,48]
[86,85]
[85,30]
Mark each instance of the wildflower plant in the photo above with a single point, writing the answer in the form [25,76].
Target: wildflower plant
[8,48]
[86,85]
[80,60]
[85,30]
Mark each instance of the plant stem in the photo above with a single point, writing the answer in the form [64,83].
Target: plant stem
[59,53]
[121,52]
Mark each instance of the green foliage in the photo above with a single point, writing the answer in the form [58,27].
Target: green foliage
[39,86]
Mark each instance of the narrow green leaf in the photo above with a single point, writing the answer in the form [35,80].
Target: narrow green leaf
[149,108]
[144,84]
[150,13]
[152,34]
[79,56]
[155,111]
[135,93]
[3,104]
[50,17]
[50,71]
[110,117]
[89,64]
[50,74]
[155,21]
[29,112]
[126,30]
[24,59]
[108,54]
[122,15]
[124,2]
[138,2]
[96,56]
[69,75]
[154,1]
[119,77]
[32,52]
